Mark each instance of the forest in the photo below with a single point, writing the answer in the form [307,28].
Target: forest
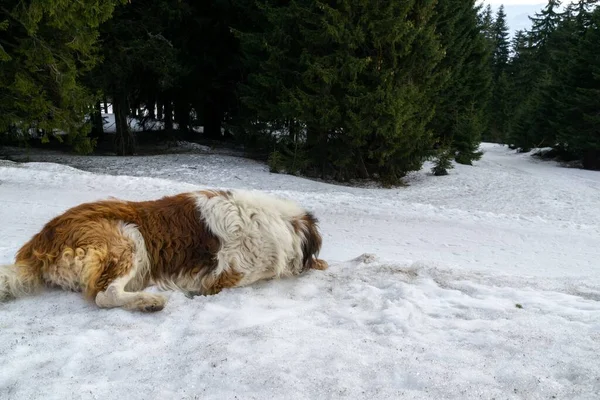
[342,90]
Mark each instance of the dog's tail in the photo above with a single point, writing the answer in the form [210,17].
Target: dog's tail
[18,280]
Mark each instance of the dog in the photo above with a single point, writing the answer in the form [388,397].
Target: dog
[196,242]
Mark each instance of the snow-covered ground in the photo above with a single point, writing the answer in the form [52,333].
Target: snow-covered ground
[482,284]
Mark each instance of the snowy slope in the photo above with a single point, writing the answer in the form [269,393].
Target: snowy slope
[482,284]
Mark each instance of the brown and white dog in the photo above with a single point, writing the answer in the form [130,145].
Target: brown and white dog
[198,242]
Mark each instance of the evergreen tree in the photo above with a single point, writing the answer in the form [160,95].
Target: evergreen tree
[45,47]
[501,44]
[209,72]
[137,58]
[531,126]
[555,80]
[349,83]
[544,24]
[499,108]
[521,77]
[577,85]
[461,107]
[487,24]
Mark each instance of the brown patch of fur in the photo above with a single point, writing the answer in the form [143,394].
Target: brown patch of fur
[307,225]
[319,264]
[227,279]
[78,253]
[176,240]
[297,225]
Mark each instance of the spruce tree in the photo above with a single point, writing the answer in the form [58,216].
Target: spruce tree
[461,103]
[577,85]
[45,47]
[348,85]
[487,23]
[139,61]
[544,24]
[521,78]
[501,44]
[531,126]
[499,109]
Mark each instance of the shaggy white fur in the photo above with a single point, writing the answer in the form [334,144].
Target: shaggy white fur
[256,231]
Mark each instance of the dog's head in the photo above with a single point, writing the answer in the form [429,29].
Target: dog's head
[307,228]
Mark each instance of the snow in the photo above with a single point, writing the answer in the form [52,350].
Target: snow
[481,284]
[135,124]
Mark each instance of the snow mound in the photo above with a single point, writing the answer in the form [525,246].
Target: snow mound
[358,330]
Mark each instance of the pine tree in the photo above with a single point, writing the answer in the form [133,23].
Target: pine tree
[544,24]
[209,73]
[521,77]
[461,107]
[487,24]
[139,61]
[531,126]
[348,83]
[499,109]
[45,47]
[577,85]
[501,44]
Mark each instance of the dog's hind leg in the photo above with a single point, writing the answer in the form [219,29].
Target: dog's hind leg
[213,284]
[319,264]
[116,296]
[126,274]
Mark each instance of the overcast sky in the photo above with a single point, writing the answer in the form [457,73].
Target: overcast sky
[517,11]
[514,2]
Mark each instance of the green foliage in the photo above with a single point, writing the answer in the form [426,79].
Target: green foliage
[464,91]
[499,111]
[276,162]
[578,88]
[344,90]
[289,155]
[443,161]
[501,44]
[355,74]
[468,127]
[138,61]
[553,83]
[45,48]
[531,127]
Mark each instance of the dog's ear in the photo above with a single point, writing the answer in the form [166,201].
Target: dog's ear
[311,242]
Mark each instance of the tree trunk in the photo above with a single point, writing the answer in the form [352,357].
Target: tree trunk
[315,145]
[105,105]
[361,167]
[591,160]
[159,109]
[150,106]
[124,140]
[182,117]
[212,121]
[97,123]
[168,118]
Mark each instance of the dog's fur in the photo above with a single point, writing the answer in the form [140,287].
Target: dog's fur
[199,243]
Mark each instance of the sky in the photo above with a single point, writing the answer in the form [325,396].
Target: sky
[513,2]
[517,11]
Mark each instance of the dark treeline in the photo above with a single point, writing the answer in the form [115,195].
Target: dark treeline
[546,83]
[337,89]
